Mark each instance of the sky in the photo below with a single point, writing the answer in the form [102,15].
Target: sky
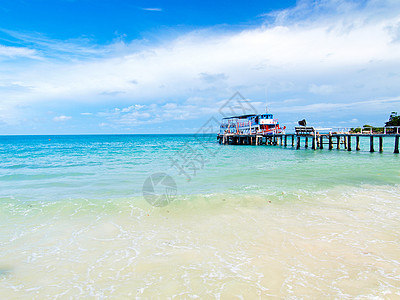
[102,66]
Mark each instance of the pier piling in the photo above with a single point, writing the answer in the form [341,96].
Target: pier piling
[349,143]
[371,144]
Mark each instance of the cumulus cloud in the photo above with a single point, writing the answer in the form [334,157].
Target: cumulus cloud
[152,114]
[135,115]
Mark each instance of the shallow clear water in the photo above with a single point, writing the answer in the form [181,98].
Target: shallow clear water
[246,221]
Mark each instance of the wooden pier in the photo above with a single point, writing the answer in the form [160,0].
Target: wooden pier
[303,137]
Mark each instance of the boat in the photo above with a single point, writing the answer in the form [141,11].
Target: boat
[264,124]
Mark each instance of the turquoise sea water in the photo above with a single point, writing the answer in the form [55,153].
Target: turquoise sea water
[246,220]
[55,168]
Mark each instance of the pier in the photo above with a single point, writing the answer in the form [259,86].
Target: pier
[308,137]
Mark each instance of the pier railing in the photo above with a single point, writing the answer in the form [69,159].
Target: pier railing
[377,130]
[303,130]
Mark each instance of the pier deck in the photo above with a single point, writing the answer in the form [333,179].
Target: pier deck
[310,139]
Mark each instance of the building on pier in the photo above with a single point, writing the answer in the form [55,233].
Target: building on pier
[251,124]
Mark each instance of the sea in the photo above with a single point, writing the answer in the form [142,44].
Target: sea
[180,216]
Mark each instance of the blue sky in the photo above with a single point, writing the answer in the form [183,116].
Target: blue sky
[89,66]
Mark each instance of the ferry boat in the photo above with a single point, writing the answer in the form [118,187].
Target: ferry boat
[251,124]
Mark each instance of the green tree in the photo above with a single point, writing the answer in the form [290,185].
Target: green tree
[394,119]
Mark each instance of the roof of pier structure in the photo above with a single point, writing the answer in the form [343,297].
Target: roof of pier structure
[239,117]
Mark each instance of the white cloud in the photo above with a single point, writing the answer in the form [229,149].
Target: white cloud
[135,115]
[288,53]
[152,9]
[348,46]
[14,52]
[132,107]
[61,118]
